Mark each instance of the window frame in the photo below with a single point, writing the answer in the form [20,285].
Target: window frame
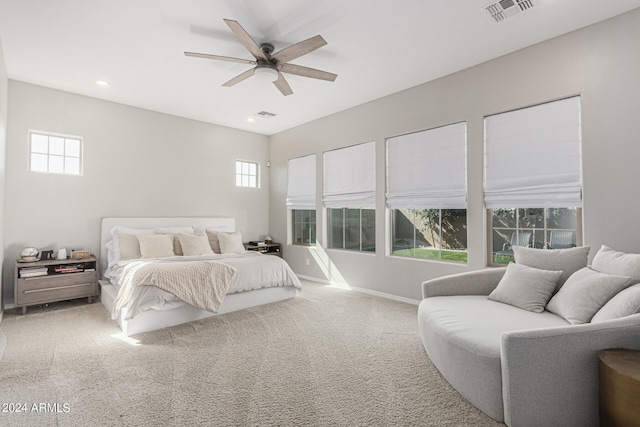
[344,227]
[240,175]
[439,249]
[313,224]
[64,156]
[545,230]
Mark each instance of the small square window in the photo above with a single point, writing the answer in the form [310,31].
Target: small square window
[55,154]
[247,174]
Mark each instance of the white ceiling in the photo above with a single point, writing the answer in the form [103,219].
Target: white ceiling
[376,48]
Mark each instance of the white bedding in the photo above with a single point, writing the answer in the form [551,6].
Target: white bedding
[253,271]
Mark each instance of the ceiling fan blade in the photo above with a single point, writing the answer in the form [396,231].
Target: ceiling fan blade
[220,58]
[301,48]
[282,85]
[245,39]
[240,77]
[299,70]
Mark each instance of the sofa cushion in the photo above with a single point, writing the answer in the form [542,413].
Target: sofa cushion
[566,260]
[619,263]
[526,287]
[625,303]
[461,335]
[584,293]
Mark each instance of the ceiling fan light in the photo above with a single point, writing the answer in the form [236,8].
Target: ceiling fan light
[267,74]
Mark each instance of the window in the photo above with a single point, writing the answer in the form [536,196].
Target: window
[533,178]
[427,193]
[430,233]
[55,154]
[301,199]
[304,226]
[246,174]
[550,228]
[352,229]
[349,196]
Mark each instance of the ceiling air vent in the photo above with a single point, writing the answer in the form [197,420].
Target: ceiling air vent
[265,114]
[501,10]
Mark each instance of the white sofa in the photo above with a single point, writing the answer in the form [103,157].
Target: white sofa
[529,368]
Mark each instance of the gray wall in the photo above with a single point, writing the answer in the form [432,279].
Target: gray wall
[601,63]
[4,83]
[136,163]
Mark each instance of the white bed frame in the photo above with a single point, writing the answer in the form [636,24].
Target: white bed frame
[151,320]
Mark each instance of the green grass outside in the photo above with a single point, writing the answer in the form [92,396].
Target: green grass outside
[458,256]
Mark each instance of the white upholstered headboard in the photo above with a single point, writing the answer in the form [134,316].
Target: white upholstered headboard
[214,223]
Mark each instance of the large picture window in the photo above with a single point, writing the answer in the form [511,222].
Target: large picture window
[349,196]
[303,223]
[542,228]
[301,199]
[533,178]
[427,193]
[352,229]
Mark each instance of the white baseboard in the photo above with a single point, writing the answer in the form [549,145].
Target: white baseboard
[357,289]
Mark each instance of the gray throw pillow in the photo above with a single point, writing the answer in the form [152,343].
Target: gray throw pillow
[566,260]
[526,287]
[584,293]
[625,303]
[619,263]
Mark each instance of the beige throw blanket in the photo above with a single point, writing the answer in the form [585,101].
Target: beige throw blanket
[200,283]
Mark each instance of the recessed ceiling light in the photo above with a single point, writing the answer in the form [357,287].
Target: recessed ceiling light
[251,119]
[102,83]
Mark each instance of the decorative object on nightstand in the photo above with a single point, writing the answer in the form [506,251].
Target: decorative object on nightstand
[619,378]
[268,239]
[29,255]
[264,247]
[44,281]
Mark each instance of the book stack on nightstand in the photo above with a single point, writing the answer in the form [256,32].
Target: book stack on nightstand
[40,282]
[265,248]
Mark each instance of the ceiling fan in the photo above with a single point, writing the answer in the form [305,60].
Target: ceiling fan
[268,65]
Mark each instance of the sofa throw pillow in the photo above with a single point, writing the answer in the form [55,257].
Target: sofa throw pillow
[625,303]
[526,287]
[584,293]
[619,263]
[230,243]
[566,260]
[193,244]
[156,245]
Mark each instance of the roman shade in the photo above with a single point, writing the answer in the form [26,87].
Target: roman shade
[427,169]
[301,183]
[532,157]
[350,177]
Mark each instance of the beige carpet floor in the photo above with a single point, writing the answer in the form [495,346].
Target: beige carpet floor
[330,357]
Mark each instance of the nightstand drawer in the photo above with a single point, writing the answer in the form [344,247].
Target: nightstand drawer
[54,293]
[54,281]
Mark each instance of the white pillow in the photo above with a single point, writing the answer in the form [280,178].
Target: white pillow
[231,243]
[214,242]
[129,246]
[526,287]
[625,303]
[567,260]
[156,245]
[619,263]
[113,247]
[193,244]
[177,248]
[584,293]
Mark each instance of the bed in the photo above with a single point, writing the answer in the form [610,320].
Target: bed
[252,278]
